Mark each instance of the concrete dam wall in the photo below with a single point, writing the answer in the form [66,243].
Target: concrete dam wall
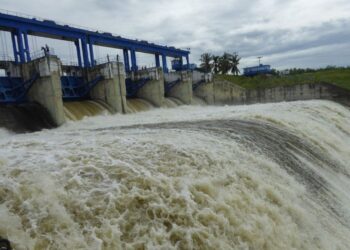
[221,92]
[53,98]
[71,92]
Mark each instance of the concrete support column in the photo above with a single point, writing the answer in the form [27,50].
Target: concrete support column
[133,61]
[165,66]
[152,91]
[157,60]
[126,60]
[77,46]
[46,90]
[183,89]
[111,89]
[84,47]
[206,90]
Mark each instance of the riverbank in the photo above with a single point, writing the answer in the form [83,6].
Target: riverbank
[332,84]
[338,77]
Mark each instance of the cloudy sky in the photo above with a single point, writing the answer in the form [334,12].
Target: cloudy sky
[287,33]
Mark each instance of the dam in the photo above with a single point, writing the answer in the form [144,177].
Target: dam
[41,82]
[90,87]
[208,174]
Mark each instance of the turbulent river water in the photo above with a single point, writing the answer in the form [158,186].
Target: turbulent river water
[266,176]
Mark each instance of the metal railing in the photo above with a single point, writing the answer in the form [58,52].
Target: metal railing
[41,53]
[34,55]
[6,58]
[69,63]
[106,59]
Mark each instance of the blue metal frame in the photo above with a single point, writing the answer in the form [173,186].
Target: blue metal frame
[126,60]
[14,89]
[75,88]
[21,27]
[165,65]
[157,60]
[169,85]
[132,87]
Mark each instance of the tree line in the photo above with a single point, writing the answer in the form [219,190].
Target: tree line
[225,64]
[296,71]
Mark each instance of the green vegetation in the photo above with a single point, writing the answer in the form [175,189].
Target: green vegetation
[337,76]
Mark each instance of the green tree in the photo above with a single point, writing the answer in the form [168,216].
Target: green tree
[215,64]
[225,65]
[206,62]
[234,61]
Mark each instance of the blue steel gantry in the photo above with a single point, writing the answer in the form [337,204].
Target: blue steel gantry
[84,40]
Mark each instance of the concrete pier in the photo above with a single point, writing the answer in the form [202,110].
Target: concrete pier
[46,90]
[205,90]
[183,89]
[153,91]
[111,89]
[225,92]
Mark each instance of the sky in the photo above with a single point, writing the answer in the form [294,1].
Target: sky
[286,33]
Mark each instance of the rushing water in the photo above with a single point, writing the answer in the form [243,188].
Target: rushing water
[272,176]
[77,110]
[198,101]
[135,105]
[138,105]
[24,117]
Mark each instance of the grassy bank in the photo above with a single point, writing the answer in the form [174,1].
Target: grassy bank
[339,77]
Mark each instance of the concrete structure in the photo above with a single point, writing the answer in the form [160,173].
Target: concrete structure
[204,90]
[46,87]
[46,90]
[153,91]
[111,89]
[182,90]
[225,92]
[298,92]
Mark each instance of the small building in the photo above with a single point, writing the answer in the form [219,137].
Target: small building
[257,70]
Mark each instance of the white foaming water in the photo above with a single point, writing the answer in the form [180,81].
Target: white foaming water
[272,176]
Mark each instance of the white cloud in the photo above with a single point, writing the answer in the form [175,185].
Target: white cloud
[270,28]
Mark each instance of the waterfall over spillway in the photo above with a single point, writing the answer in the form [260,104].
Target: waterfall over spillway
[77,110]
[267,176]
[138,105]
[26,117]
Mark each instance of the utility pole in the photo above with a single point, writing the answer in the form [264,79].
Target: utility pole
[259,57]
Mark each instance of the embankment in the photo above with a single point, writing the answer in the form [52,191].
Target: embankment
[223,92]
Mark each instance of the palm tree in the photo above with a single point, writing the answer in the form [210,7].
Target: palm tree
[215,64]
[206,62]
[225,63]
[234,59]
